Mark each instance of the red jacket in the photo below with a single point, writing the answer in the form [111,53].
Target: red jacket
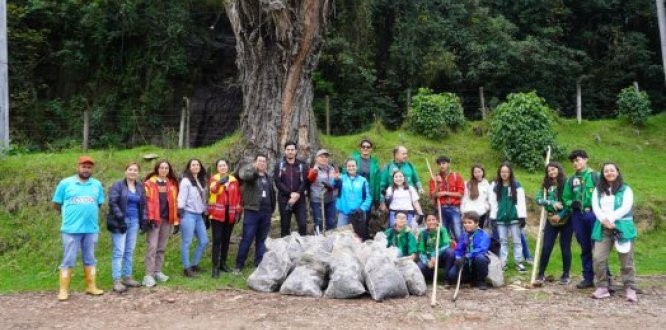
[153,200]
[453,182]
[222,197]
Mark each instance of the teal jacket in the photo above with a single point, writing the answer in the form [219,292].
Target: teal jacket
[373,177]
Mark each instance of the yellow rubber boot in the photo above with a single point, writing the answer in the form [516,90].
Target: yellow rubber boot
[91,288]
[65,278]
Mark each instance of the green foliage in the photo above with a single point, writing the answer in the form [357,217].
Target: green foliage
[521,128]
[633,106]
[435,115]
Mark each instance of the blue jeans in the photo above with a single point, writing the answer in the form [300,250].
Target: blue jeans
[550,233]
[523,242]
[410,218]
[451,220]
[123,249]
[504,230]
[583,222]
[190,225]
[70,246]
[331,214]
[256,226]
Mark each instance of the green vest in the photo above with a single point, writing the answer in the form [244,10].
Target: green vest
[404,240]
[625,225]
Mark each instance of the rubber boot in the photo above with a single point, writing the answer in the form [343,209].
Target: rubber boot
[90,273]
[65,278]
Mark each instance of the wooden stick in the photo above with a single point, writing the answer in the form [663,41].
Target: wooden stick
[433,297]
[542,223]
[455,293]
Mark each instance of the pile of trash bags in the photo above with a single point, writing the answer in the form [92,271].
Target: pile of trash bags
[337,265]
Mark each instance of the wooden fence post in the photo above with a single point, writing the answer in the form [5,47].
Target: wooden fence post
[86,128]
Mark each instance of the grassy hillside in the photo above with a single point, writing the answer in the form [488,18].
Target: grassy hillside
[30,248]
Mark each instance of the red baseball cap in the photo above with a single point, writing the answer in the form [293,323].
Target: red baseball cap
[86,159]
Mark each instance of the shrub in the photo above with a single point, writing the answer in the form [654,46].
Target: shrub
[633,105]
[521,128]
[434,115]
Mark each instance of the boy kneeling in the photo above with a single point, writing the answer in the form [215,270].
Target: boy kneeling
[470,254]
[426,248]
[401,236]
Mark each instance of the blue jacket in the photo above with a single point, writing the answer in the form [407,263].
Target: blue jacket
[118,205]
[472,245]
[354,193]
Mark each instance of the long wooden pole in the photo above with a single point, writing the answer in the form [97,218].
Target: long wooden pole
[542,223]
[433,297]
[4,80]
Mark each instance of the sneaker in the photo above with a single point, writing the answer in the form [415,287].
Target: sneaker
[631,295]
[118,286]
[148,281]
[236,271]
[224,268]
[540,280]
[601,293]
[130,282]
[160,277]
[188,272]
[564,281]
[196,269]
[520,267]
[529,261]
[584,284]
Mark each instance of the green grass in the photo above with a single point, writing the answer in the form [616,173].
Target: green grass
[30,248]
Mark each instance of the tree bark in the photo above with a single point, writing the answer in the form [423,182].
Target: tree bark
[278,44]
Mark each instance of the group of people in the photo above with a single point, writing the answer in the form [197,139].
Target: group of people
[473,214]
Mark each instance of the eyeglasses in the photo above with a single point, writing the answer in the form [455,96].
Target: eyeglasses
[366,147]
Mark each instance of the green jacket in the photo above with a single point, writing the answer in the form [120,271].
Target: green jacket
[411,177]
[551,199]
[579,187]
[427,241]
[251,188]
[404,240]
[373,178]
[625,225]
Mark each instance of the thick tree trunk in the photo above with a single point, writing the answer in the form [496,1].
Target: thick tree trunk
[278,44]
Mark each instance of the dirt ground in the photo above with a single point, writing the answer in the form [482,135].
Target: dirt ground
[509,307]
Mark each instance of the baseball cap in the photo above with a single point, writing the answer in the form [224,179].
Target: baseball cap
[86,159]
[322,152]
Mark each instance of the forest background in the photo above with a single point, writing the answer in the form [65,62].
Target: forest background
[131,63]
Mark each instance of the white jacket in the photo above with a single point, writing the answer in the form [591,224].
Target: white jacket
[480,205]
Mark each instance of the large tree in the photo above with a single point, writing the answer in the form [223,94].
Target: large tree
[278,44]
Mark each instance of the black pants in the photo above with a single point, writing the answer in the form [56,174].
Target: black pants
[297,209]
[475,270]
[221,237]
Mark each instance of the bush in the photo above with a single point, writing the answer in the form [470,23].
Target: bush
[521,128]
[435,115]
[633,105]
